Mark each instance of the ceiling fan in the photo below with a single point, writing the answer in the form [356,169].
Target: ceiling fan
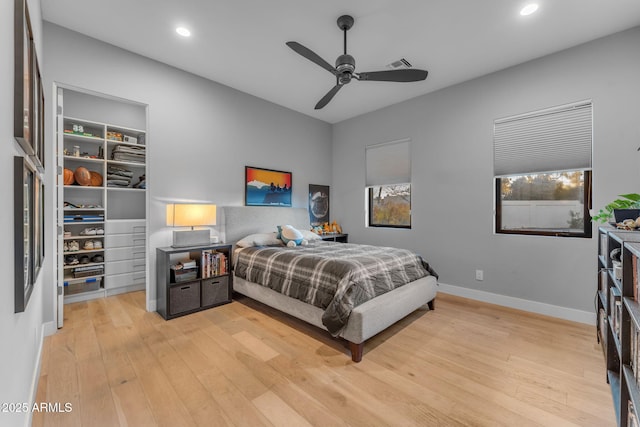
[346,65]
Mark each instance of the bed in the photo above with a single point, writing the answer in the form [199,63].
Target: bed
[364,321]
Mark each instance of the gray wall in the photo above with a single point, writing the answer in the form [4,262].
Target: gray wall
[200,134]
[452,161]
[20,334]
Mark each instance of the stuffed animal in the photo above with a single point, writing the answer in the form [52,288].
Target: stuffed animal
[290,235]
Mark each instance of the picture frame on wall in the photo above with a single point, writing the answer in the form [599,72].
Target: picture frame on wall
[24,217]
[24,54]
[318,204]
[38,225]
[267,187]
[37,130]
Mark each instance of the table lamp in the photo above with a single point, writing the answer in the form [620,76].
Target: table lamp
[190,215]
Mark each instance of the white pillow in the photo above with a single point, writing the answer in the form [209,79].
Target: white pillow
[259,239]
[309,235]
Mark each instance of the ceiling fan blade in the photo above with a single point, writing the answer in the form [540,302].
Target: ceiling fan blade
[325,99]
[311,56]
[410,75]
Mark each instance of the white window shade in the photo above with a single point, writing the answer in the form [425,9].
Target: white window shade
[388,163]
[554,139]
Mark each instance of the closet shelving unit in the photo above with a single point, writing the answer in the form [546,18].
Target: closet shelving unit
[117,261]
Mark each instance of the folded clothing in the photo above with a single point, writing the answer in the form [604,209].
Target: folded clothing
[118,176]
[119,171]
[118,183]
[129,154]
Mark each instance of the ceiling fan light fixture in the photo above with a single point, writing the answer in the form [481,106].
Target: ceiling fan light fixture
[184,32]
[344,71]
[529,9]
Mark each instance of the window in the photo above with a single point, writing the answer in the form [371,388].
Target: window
[390,206]
[388,179]
[542,167]
[544,203]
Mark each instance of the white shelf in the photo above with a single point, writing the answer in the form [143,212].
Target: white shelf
[121,163]
[84,138]
[120,203]
[95,236]
[83,159]
[141,190]
[83,187]
[84,223]
[130,144]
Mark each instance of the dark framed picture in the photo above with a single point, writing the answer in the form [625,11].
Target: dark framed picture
[24,214]
[38,225]
[24,53]
[318,204]
[37,113]
[267,187]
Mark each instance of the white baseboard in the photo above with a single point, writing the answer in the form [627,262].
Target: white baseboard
[521,304]
[36,375]
[49,328]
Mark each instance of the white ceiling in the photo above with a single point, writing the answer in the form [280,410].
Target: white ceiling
[241,43]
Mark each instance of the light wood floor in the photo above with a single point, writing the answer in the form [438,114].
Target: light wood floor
[243,364]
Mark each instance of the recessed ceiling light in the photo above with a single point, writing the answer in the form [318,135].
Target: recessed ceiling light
[183,31]
[529,9]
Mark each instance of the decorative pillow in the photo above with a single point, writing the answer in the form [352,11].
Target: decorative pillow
[290,234]
[259,239]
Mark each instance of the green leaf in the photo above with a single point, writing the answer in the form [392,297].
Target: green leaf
[631,196]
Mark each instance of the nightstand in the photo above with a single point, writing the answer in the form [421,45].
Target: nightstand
[182,291]
[341,238]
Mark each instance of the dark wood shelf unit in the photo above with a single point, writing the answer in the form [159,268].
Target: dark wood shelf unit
[616,345]
[178,298]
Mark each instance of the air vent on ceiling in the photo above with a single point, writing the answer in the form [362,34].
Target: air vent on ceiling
[400,63]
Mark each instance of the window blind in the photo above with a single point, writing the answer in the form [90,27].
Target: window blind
[388,163]
[554,139]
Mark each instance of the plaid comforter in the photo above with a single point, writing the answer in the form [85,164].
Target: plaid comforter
[335,277]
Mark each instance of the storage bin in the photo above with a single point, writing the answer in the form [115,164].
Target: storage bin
[80,287]
[183,298]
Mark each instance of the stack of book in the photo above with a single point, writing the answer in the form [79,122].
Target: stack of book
[213,263]
[183,271]
[616,312]
[603,324]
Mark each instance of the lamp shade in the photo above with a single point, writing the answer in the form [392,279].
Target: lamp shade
[190,215]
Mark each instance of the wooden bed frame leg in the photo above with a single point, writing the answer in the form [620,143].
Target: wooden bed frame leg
[356,351]
[432,304]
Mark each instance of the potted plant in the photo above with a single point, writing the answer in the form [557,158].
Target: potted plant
[626,207]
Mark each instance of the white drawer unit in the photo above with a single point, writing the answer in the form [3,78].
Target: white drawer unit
[122,254]
[128,279]
[125,227]
[125,240]
[126,266]
[125,255]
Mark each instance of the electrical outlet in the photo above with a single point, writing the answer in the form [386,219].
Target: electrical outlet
[479,275]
